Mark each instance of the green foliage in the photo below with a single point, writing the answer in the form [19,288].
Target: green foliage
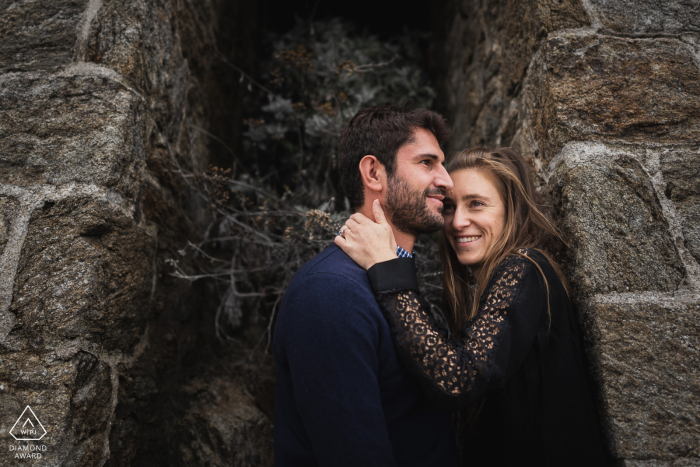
[282,203]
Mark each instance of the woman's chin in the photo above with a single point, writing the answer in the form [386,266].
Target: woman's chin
[468,256]
[465,260]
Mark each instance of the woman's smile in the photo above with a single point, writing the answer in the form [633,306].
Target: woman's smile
[462,241]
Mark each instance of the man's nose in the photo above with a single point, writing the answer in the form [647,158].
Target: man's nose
[443,180]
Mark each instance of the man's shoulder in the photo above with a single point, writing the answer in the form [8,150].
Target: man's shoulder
[329,294]
[329,285]
[331,266]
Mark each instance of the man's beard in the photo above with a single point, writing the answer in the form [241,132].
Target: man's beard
[409,209]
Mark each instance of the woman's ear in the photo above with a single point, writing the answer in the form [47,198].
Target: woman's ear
[373,173]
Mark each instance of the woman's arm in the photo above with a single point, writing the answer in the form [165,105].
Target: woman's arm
[456,372]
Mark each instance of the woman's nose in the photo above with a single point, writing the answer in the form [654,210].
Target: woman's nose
[461,220]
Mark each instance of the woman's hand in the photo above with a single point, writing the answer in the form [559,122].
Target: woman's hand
[367,242]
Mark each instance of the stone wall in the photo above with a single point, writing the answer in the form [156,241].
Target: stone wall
[103,105]
[603,99]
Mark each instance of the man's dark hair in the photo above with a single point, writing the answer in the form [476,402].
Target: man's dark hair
[380,131]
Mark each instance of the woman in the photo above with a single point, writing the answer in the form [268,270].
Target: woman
[514,366]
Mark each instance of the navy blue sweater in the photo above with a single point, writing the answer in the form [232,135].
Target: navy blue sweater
[342,397]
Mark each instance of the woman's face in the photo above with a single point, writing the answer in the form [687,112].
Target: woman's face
[474,216]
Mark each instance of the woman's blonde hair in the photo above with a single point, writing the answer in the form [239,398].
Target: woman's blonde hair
[525,227]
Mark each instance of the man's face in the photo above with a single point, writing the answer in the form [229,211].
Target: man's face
[416,189]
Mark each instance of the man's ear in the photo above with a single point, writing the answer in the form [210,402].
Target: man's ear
[373,173]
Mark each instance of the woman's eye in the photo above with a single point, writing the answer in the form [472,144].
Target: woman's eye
[476,204]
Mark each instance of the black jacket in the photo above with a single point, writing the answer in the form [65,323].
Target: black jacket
[525,373]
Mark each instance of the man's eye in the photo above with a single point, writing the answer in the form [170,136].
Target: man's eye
[425,161]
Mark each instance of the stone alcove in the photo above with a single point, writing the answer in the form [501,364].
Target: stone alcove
[98,98]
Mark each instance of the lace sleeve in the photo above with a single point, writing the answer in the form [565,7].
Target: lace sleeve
[454,371]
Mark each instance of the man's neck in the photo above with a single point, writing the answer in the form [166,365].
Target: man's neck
[404,240]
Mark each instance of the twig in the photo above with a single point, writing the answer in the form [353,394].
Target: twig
[370,66]
[244,74]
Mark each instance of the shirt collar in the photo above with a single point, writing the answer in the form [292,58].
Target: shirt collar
[401,253]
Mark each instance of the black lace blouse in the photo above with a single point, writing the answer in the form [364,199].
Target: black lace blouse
[525,374]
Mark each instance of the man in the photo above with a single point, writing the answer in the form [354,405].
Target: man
[342,397]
